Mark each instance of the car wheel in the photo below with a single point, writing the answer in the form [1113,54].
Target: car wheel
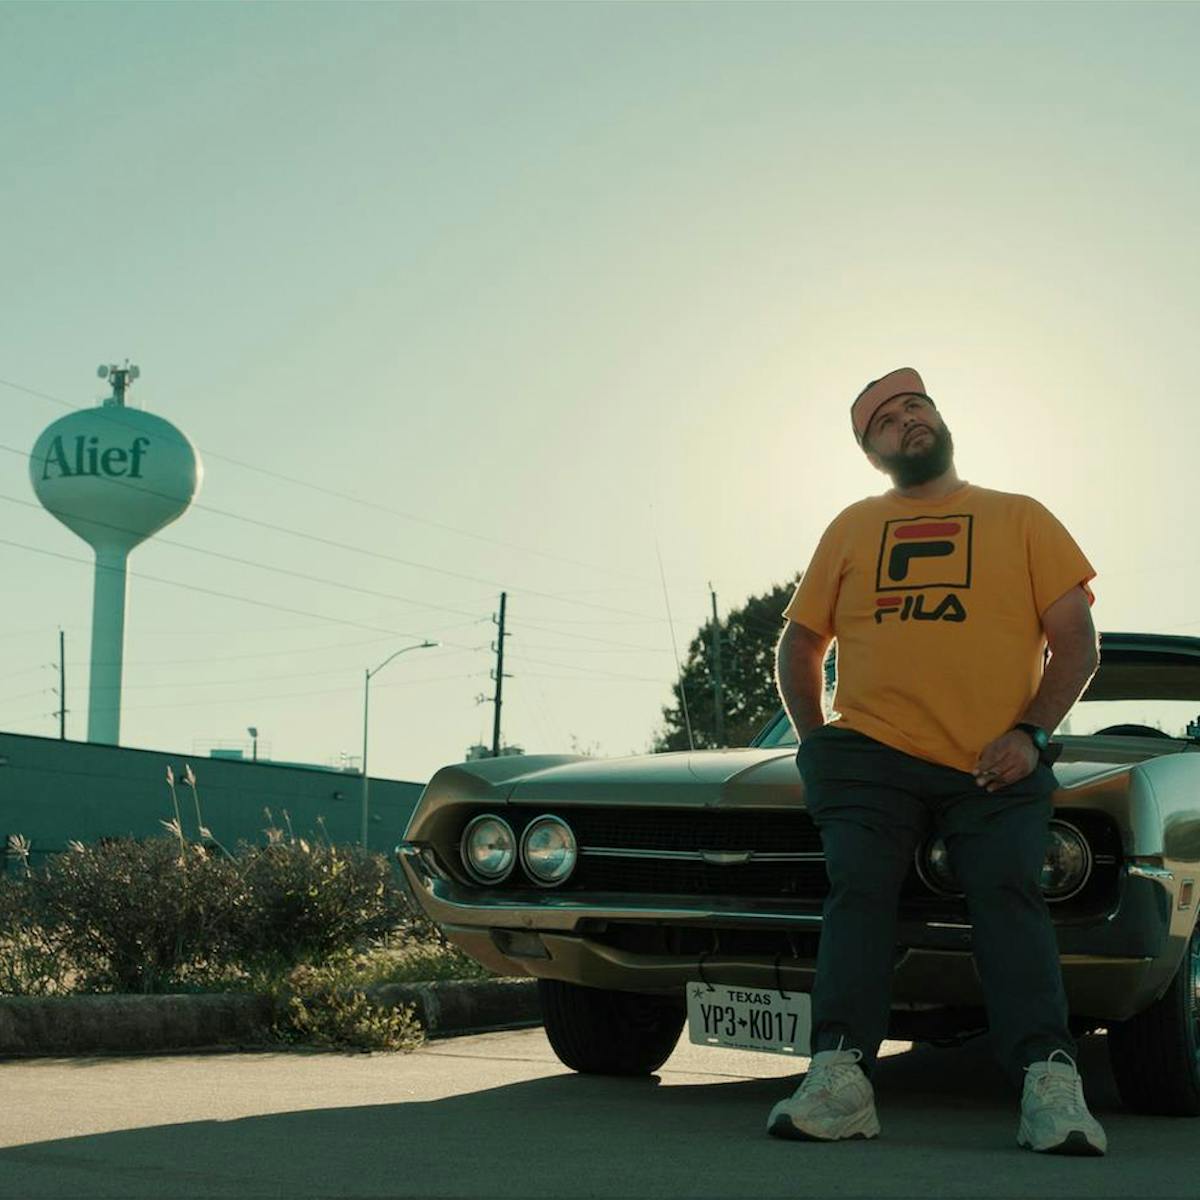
[1155,1056]
[603,1032]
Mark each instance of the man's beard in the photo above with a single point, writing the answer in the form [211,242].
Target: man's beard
[931,460]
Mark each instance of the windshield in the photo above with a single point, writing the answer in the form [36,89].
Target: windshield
[1175,718]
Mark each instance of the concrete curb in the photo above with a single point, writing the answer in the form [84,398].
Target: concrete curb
[455,1006]
[32,1026]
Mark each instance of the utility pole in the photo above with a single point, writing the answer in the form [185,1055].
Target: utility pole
[718,684]
[62,686]
[498,675]
[61,714]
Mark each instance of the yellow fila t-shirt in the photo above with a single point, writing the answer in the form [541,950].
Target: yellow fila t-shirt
[936,609]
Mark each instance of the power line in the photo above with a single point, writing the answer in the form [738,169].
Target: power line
[248,562]
[687,720]
[40,716]
[177,633]
[542,707]
[318,579]
[344,586]
[305,651]
[339,545]
[26,671]
[278,696]
[295,651]
[593,621]
[591,679]
[114,416]
[586,671]
[584,637]
[302,695]
[192,587]
[198,683]
[597,650]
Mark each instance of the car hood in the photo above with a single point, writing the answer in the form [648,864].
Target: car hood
[715,778]
[707,777]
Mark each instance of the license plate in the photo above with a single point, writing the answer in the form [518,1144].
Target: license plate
[749,1018]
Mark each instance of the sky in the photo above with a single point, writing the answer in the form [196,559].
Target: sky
[569,301]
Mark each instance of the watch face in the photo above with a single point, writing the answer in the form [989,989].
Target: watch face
[1041,739]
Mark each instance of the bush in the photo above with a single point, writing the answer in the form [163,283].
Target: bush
[146,916]
[167,915]
[349,1021]
[30,963]
[320,1010]
[425,962]
[307,902]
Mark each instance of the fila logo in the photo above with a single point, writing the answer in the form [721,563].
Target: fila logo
[919,556]
[919,553]
[934,543]
[912,608]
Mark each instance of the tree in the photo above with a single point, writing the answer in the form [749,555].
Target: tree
[748,638]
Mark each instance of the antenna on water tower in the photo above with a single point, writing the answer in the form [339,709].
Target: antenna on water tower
[120,378]
[114,476]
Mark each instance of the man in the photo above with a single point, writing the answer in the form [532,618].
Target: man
[943,598]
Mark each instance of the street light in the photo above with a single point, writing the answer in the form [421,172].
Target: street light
[252,730]
[366,704]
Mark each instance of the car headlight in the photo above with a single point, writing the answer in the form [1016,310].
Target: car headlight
[548,850]
[1065,869]
[488,848]
[1068,863]
[933,866]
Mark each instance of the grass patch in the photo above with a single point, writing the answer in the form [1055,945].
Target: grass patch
[328,1005]
[423,964]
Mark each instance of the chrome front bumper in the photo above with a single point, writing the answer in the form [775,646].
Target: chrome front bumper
[1112,969]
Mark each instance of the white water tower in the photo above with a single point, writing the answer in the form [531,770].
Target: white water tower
[114,476]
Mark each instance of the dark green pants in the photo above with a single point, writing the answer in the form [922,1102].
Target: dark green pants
[873,805]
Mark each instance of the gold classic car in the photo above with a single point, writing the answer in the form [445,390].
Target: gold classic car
[651,892]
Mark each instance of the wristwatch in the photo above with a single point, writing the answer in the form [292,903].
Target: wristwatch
[1041,741]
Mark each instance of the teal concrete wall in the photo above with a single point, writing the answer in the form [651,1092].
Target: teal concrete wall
[53,791]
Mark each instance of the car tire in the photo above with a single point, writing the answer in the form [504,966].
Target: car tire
[598,1031]
[1155,1056]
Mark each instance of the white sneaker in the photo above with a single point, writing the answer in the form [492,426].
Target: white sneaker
[1054,1116]
[835,1100]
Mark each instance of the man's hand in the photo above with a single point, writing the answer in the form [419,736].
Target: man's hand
[1006,760]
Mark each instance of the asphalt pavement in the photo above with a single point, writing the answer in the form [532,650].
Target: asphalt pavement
[495,1115]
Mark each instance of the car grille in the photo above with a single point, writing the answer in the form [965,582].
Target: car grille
[770,831]
[659,877]
[680,836]
[763,854]
[760,854]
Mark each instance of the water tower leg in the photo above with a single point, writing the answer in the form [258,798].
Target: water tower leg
[108,647]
